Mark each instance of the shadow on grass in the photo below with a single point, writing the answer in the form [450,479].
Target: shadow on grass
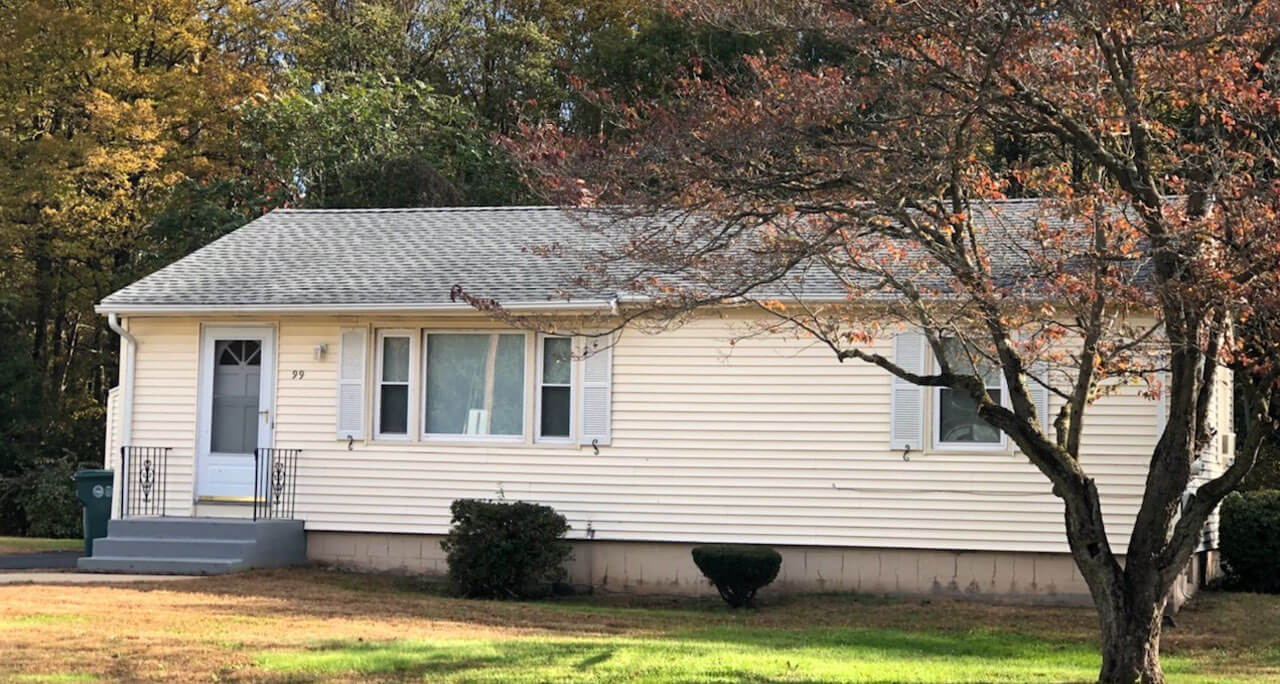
[591,661]
[324,593]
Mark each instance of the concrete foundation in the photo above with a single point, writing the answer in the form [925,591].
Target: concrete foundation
[667,568]
[1203,568]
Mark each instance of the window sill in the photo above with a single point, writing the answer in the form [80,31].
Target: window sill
[962,449]
[478,442]
[498,440]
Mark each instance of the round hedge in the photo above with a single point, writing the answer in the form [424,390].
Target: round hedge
[738,571]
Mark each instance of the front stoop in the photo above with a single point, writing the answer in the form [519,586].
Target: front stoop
[196,546]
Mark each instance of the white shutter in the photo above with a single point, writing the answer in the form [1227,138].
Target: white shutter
[351,366]
[595,408]
[906,420]
[1040,396]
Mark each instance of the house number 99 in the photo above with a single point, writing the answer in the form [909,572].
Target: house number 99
[299,374]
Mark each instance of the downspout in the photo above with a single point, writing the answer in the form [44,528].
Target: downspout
[129,345]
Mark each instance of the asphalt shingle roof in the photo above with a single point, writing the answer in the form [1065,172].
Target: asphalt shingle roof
[346,258]
[371,256]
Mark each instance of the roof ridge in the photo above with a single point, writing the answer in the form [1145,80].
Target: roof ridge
[420,210]
[538,207]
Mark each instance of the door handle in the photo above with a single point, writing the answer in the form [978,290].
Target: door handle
[266,414]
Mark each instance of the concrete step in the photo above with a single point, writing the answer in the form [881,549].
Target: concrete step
[185,528]
[160,566]
[197,545]
[155,547]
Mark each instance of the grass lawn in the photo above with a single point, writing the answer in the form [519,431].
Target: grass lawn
[309,625]
[32,544]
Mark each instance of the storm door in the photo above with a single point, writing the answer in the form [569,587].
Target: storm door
[236,411]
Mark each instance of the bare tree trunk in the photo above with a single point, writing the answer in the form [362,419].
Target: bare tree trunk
[43,290]
[1131,637]
[1129,597]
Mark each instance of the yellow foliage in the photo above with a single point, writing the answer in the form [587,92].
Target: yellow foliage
[105,105]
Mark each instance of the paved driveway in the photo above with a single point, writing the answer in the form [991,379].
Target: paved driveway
[55,577]
[42,560]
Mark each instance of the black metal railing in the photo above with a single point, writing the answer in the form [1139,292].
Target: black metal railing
[275,483]
[144,479]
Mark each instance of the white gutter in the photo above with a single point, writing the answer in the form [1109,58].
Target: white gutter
[611,304]
[450,307]
[129,347]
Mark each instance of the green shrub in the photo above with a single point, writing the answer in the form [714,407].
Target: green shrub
[1265,473]
[498,549]
[47,498]
[737,570]
[1250,531]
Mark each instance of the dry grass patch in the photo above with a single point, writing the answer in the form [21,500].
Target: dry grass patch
[212,627]
[302,625]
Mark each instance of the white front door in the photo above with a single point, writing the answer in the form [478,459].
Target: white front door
[237,366]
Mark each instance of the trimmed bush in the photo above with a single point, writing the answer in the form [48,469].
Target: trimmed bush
[1250,545]
[499,549]
[737,570]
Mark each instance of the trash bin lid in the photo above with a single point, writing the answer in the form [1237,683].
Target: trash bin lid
[93,474]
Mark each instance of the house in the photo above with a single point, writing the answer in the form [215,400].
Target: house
[323,346]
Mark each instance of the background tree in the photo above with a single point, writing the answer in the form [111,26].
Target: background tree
[501,58]
[1146,130]
[105,108]
[133,132]
[376,143]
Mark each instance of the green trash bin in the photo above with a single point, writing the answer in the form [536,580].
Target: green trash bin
[93,487]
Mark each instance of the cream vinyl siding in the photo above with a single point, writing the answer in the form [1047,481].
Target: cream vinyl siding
[769,440]
[164,395]
[1221,450]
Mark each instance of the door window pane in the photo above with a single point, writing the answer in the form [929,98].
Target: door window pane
[252,353]
[236,380]
[475,384]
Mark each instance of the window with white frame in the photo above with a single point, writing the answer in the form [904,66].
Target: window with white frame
[392,396]
[555,388]
[955,414]
[474,384]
